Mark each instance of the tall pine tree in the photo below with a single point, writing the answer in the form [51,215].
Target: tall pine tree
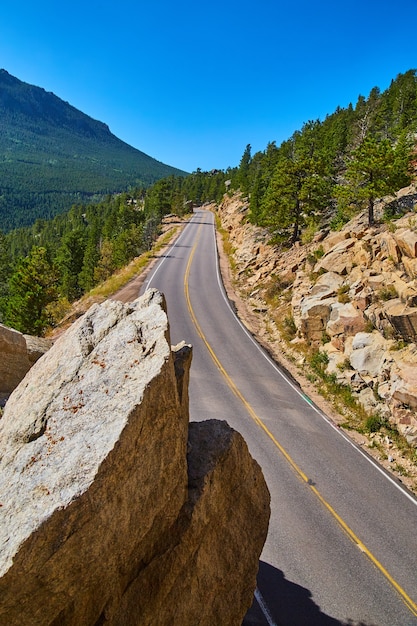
[375,169]
[33,286]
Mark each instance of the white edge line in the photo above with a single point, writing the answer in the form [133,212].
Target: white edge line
[300,393]
[262,605]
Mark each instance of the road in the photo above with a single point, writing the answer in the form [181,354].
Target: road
[342,541]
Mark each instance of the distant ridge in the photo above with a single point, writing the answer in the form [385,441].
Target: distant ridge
[53,156]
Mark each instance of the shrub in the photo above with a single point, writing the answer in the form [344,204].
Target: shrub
[289,327]
[319,252]
[374,423]
[369,326]
[277,286]
[387,293]
[339,220]
[343,294]
[345,365]
[318,362]
[309,231]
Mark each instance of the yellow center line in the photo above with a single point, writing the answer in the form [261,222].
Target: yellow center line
[412,606]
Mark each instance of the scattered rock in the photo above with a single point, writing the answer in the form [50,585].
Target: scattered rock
[371,265]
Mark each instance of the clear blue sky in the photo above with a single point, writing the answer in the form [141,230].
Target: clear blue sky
[192,83]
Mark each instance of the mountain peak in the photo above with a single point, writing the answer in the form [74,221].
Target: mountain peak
[52,155]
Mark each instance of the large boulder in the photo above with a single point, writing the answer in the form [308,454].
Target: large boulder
[220,530]
[407,241]
[14,361]
[339,259]
[345,319]
[370,355]
[403,318]
[389,247]
[315,306]
[18,353]
[102,519]
[315,313]
[404,376]
[36,347]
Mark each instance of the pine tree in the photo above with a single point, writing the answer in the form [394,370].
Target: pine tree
[5,271]
[300,186]
[298,189]
[33,286]
[91,258]
[375,169]
[242,176]
[69,260]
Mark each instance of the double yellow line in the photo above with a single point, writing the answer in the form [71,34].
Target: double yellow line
[412,606]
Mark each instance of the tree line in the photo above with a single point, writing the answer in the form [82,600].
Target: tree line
[54,262]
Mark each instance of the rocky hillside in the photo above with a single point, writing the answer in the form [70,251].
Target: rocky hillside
[113,508]
[346,302]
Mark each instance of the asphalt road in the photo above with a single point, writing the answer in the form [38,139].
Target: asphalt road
[342,541]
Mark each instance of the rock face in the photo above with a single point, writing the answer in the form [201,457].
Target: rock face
[102,519]
[17,354]
[14,362]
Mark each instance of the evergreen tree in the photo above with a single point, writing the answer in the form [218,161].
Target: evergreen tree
[33,286]
[300,185]
[91,258]
[127,245]
[262,166]
[298,189]
[375,169]
[242,174]
[5,271]
[69,260]
[105,266]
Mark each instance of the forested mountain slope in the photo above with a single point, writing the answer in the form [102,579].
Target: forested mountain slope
[52,156]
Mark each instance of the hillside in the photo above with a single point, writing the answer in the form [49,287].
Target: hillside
[52,156]
[339,313]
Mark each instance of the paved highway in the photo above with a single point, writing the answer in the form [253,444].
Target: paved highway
[342,541]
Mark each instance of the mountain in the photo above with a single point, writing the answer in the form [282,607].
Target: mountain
[53,155]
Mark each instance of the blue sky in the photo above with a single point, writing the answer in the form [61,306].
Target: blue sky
[192,83]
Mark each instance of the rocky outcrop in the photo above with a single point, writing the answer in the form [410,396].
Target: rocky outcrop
[36,347]
[343,287]
[14,361]
[104,517]
[17,354]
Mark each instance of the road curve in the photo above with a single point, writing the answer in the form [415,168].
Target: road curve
[342,542]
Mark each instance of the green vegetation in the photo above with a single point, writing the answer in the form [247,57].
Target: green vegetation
[374,423]
[53,156]
[332,169]
[387,293]
[45,267]
[343,294]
